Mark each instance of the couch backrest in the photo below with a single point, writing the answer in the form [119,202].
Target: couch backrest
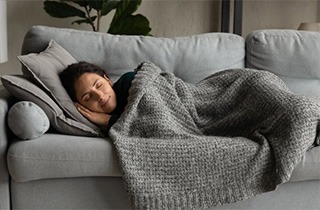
[293,55]
[190,58]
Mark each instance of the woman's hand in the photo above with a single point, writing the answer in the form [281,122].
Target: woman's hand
[101,119]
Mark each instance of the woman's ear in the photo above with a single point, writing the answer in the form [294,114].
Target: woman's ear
[107,78]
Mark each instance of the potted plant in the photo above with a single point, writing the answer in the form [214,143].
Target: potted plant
[91,12]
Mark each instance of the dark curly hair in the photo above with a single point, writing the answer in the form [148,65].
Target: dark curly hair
[69,75]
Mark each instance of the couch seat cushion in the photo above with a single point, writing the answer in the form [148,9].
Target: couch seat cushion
[66,156]
[309,166]
[60,156]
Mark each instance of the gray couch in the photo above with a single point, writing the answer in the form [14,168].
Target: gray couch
[63,171]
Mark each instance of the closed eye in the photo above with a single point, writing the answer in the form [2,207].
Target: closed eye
[86,97]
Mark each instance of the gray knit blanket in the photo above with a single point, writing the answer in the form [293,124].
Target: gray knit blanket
[233,135]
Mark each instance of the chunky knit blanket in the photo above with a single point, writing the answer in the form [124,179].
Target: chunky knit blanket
[236,134]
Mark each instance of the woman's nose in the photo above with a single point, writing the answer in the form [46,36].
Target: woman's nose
[98,95]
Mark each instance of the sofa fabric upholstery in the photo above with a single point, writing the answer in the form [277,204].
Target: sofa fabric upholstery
[27,120]
[6,101]
[62,156]
[72,172]
[292,55]
[75,194]
[119,54]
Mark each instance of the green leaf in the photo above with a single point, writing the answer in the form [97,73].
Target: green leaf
[124,9]
[131,25]
[62,10]
[108,6]
[85,20]
[95,4]
[82,3]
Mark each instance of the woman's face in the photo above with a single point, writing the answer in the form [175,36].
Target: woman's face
[95,93]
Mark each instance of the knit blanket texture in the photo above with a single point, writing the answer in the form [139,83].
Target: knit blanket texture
[236,134]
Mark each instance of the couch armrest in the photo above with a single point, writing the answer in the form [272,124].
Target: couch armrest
[6,100]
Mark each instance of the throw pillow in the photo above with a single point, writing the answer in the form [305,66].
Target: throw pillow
[27,120]
[23,89]
[44,68]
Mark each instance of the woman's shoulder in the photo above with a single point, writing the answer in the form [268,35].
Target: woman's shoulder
[129,75]
[125,80]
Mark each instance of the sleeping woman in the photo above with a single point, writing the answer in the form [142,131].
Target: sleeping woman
[96,97]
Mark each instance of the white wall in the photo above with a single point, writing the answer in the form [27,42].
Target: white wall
[168,18]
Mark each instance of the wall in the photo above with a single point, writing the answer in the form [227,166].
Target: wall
[278,14]
[168,18]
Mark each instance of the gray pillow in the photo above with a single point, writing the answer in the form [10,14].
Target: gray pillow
[27,120]
[44,68]
[25,90]
[291,54]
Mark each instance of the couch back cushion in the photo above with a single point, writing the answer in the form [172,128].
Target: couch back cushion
[293,55]
[190,58]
